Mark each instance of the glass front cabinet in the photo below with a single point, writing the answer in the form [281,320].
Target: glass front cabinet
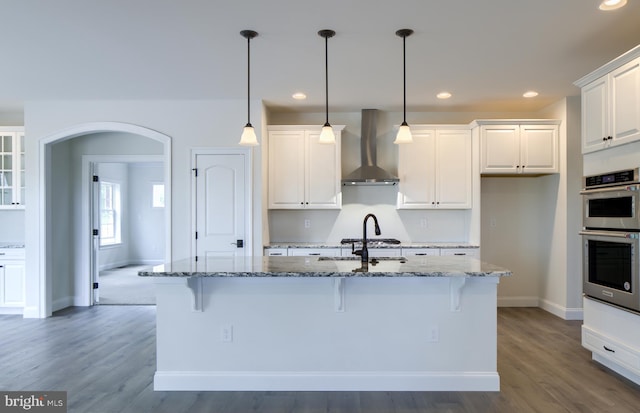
[11,167]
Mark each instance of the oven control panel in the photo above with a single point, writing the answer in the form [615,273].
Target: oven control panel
[612,178]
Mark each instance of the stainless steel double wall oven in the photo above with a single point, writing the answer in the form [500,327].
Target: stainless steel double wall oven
[611,221]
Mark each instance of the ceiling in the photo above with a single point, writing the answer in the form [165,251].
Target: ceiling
[486,53]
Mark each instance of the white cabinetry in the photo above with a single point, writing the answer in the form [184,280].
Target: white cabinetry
[420,252]
[468,252]
[435,170]
[303,174]
[319,252]
[613,337]
[12,279]
[514,147]
[11,167]
[273,252]
[611,108]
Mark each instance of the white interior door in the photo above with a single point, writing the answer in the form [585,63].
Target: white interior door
[222,206]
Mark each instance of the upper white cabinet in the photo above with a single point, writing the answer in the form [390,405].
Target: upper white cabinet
[302,172]
[435,170]
[11,167]
[611,108]
[518,147]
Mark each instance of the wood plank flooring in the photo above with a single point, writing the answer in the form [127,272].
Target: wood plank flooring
[104,357]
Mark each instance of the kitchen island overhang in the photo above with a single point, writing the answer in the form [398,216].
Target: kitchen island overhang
[300,323]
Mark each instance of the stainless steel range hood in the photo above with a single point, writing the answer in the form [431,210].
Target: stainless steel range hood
[369,173]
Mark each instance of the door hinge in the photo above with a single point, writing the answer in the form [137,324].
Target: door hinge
[196,234]
[196,258]
[95,286]
[96,178]
[195,172]
[95,232]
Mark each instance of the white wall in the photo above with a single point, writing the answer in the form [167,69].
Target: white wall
[202,123]
[146,223]
[12,224]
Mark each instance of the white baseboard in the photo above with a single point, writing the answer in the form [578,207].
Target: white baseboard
[560,311]
[60,303]
[518,301]
[325,381]
[11,310]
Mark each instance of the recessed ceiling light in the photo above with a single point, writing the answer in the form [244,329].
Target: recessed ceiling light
[299,96]
[611,4]
[443,95]
[530,94]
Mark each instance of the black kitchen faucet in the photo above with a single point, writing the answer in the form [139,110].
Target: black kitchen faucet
[364,252]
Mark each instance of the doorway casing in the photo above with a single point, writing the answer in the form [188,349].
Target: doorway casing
[40,306]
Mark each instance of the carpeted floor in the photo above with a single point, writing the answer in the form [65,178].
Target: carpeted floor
[123,286]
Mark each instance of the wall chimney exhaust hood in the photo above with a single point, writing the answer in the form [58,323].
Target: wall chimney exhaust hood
[369,173]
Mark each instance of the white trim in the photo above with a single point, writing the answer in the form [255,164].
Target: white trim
[248,190]
[44,265]
[325,381]
[560,311]
[608,67]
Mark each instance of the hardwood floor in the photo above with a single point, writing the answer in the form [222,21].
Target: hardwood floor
[104,357]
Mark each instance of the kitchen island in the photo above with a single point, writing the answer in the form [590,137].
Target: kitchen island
[322,323]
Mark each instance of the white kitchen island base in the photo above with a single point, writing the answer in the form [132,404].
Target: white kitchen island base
[325,333]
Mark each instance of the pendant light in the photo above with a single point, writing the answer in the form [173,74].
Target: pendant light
[248,137]
[326,135]
[404,133]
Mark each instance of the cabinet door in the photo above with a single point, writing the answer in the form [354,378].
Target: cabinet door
[453,169]
[624,89]
[11,283]
[323,189]
[595,120]
[7,170]
[416,167]
[286,169]
[538,149]
[500,149]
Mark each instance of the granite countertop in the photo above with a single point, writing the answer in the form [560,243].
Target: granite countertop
[372,244]
[12,245]
[438,266]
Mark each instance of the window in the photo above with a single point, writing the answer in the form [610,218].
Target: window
[158,196]
[110,213]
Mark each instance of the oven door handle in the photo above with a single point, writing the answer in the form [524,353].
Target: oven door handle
[614,234]
[610,189]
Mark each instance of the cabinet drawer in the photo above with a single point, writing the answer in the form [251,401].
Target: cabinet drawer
[319,252]
[469,252]
[12,253]
[275,252]
[420,252]
[610,349]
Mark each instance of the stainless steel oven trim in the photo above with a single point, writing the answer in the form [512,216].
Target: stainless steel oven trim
[635,187]
[613,223]
[630,300]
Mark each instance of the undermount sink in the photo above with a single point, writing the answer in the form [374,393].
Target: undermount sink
[356,258]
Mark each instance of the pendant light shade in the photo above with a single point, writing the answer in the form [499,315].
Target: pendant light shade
[404,133]
[326,136]
[248,137]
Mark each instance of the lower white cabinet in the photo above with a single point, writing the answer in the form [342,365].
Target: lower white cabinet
[613,337]
[12,279]
[274,252]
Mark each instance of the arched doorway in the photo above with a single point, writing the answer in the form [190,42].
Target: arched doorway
[51,232]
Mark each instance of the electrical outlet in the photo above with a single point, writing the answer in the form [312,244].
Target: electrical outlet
[492,222]
[307,223]
[226,333]
[433,334]
[423,223]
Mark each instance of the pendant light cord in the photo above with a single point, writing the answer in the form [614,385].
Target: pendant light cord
[326,78]
[248,80]
[404,78]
